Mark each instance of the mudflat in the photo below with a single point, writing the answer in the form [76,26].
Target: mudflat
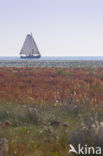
[50,63]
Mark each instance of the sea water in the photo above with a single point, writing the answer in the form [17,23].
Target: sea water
[51,58]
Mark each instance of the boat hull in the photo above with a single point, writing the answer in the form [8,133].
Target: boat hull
[30,57]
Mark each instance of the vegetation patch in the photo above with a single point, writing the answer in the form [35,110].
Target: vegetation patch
[43,110]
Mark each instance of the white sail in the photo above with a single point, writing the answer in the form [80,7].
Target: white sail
[29,47]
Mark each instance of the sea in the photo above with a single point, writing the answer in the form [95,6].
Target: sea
[56,58]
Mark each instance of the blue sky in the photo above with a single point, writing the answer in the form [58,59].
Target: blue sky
[59,27]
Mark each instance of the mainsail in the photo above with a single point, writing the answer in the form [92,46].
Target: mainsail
[29,47]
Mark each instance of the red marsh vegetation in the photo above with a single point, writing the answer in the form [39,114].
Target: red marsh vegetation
[51,85]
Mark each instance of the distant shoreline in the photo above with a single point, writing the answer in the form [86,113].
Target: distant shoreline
[51,63]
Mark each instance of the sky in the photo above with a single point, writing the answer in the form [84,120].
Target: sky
[59,27]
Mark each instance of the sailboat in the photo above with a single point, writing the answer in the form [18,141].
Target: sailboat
[29,49]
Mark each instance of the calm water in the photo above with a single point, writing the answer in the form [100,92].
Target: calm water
[57,58]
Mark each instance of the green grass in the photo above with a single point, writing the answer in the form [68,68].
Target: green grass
[30,132]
